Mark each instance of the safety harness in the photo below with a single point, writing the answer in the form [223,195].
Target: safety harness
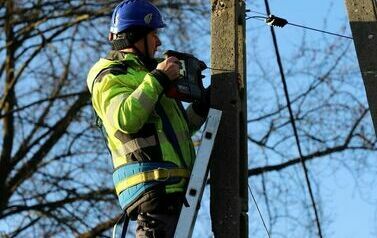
[133,179]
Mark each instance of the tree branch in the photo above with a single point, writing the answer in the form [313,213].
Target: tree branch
[318,154]
[100,228]
[7,105]
[95,195]
[59,129]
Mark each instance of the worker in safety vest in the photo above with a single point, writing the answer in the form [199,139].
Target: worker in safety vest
[148,134]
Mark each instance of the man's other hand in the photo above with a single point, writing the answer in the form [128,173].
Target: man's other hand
[170,67]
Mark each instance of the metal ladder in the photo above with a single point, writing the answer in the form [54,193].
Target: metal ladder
[198,179]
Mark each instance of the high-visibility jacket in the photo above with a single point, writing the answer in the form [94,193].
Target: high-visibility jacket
[148,134]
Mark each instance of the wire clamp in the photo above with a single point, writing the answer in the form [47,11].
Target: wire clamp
[276,21]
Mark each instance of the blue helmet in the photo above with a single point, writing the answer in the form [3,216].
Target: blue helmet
[135,13]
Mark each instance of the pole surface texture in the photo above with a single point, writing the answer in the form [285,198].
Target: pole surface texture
[228,174]
[362,17]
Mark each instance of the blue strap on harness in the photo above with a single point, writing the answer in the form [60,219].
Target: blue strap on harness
[131,194]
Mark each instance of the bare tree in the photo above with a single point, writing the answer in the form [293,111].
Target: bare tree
[334,126]
[55,174]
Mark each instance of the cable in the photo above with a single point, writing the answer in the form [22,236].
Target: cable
[260,214]
[322,31]
[270,21]
[262,18]
[217,69]
[292,120]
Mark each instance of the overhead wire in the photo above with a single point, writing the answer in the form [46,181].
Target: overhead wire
[265,18]
[318,30]
[260,214]
[293,123]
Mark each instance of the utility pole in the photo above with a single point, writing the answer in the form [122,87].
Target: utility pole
[363,21]
[228,174]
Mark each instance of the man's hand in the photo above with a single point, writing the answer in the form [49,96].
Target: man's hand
[170,67]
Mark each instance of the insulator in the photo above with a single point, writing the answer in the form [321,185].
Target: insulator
[276,21]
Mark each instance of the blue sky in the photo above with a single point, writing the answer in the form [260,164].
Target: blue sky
[351,215]
[348,208]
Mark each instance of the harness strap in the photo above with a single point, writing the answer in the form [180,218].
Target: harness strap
[113,69]
[169,132]
[183,111]
[121,226]
[160,174]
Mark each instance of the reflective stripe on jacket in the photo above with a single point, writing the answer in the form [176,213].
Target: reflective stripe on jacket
[127,103]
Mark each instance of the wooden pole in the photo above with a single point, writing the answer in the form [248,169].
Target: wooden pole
[362,18]
[229,197]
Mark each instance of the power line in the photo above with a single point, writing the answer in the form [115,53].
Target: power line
[292,120]
[260,214]
[270,18]
[218,69]
[260,13]
[322,31]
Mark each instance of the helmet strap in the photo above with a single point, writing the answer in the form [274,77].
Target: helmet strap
[122,42]
[146,48]
[149,62]
[128,38]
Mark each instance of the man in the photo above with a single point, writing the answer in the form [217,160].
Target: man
[148,134]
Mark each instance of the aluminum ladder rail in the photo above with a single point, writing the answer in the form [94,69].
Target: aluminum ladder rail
[198,178]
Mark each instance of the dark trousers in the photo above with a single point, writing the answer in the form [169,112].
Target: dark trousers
[156,225]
